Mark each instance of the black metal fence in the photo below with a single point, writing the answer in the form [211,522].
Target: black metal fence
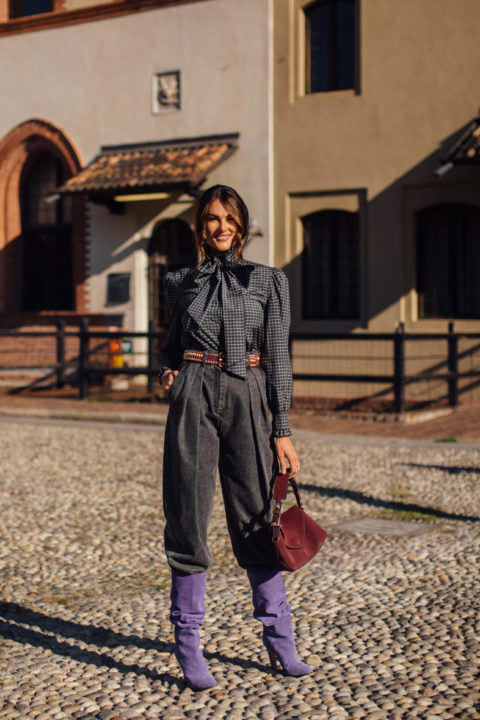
[446,370]
[95,359]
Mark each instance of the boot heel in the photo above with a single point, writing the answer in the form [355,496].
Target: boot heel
[272,656]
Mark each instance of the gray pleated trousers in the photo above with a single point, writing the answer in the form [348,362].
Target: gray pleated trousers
[217,420]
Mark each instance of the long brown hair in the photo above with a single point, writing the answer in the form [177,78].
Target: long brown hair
[236,207]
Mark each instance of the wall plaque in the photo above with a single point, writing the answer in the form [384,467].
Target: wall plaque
[166,94]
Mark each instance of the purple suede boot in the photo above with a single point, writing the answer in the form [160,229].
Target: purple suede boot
[186,613]
[272,609]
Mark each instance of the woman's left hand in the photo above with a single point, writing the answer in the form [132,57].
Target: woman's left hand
[287,455]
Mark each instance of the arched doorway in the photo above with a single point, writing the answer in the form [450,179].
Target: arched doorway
[171,246]
[33,156]
[47,272]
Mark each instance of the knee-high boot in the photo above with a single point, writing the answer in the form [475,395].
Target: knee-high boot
[272,609]
[186,614]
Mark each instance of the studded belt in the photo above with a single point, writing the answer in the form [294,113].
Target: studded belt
[251,359]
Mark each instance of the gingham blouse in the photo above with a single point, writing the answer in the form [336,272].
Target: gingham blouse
[234,308]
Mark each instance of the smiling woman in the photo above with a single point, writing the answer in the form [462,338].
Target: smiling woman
[222,222]
[226,367]
[221,228]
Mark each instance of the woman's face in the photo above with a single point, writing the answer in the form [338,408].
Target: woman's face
[220,227]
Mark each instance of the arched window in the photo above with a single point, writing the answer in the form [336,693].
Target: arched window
[331,259]
[331,45]
[448,261]
[47,282]
[172,246]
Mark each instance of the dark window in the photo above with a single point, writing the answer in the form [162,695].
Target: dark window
[118,288]
[448,261]
[331,265]
[23,8]
[331,45]
[46,238]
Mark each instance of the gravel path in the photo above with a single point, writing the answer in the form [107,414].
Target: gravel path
[391,624]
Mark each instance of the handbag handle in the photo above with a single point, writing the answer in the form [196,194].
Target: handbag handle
[280,490]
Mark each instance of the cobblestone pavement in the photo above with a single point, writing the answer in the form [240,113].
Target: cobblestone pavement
[390,624]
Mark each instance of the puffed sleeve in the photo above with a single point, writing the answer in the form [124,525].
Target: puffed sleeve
[171,354]
[276,356]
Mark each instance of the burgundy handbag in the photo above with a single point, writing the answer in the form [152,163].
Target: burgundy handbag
[296,537]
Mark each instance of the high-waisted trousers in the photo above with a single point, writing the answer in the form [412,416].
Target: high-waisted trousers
[218,420]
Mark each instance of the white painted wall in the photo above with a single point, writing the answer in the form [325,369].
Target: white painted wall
[93,80]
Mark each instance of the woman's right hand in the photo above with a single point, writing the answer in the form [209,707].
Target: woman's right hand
[167,379]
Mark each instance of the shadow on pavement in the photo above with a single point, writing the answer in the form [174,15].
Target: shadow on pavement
[364,499]
[16,616]
[450,469]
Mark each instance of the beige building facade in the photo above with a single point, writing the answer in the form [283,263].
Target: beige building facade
[369,98]
[349,126]
[179,85]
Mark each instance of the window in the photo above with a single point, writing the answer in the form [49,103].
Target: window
[448,261]
[23,8]
[331,45]
[331,271]
[46,238]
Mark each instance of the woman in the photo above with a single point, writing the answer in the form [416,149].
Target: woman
[226,364]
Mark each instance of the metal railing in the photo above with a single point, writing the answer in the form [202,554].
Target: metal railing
[87,363]
[93,345]
[446,370]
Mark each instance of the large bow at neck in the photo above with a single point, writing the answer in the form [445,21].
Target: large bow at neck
[223,274]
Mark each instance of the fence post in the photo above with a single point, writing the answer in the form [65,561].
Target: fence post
[452,366]
[60,354]
[399,368]
[150,363]
[83,359]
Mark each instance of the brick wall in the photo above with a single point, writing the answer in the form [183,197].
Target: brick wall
[16,352]
[41,351]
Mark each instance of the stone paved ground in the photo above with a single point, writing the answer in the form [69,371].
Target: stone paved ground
[390,624]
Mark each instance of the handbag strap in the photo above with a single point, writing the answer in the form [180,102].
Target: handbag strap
[280,490]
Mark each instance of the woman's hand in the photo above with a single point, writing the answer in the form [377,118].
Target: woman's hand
[287,455]
[167,379]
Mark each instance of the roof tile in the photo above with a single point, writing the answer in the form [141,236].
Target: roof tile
[151,166]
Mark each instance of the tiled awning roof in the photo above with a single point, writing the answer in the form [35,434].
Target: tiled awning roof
[150,167]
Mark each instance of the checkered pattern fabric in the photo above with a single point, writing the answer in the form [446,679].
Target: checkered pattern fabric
[234,308]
